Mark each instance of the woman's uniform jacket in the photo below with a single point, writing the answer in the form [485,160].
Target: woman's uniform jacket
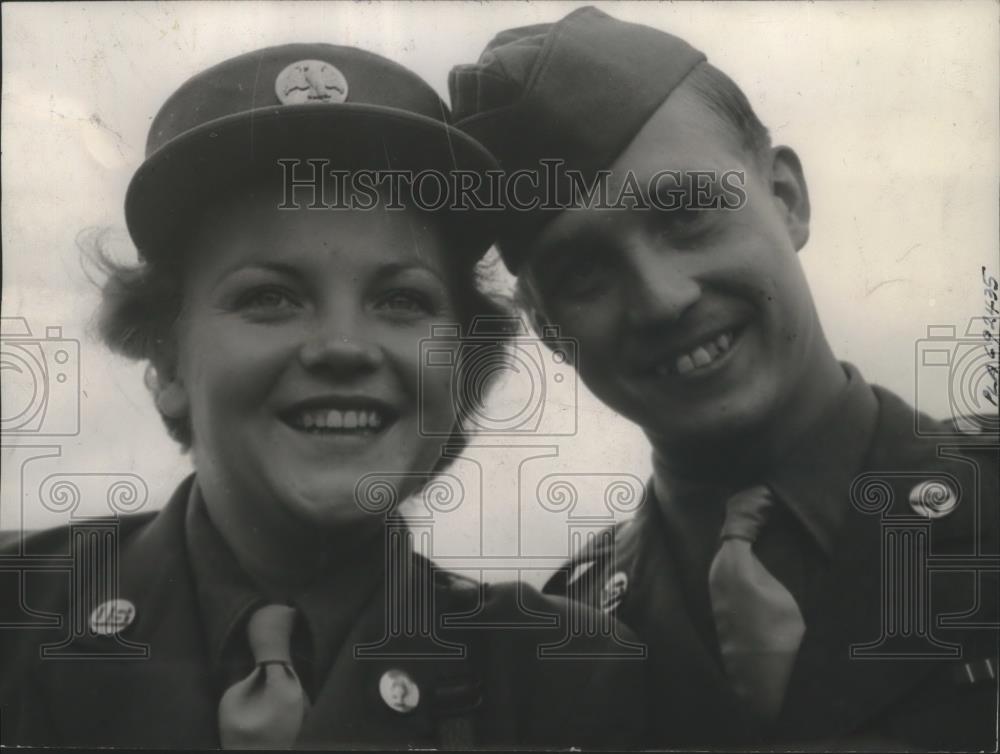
[479,672]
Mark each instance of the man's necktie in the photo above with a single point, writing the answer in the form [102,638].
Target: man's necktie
[265,709]
[759,624]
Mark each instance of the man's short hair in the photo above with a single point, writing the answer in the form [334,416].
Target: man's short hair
[721,94]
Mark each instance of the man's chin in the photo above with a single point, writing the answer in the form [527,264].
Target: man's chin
[708,430]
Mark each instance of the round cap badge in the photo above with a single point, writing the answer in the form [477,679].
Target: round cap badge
[399,691]
[310,81]
[933,499]
[112,617]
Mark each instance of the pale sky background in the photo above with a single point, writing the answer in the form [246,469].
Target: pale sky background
[892,107]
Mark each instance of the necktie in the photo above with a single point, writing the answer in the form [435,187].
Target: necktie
[265,709]
[758,622]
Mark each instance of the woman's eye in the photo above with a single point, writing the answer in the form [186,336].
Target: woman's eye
[406,301]
[266,298]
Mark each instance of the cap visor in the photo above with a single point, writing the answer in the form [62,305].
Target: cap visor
[181,179]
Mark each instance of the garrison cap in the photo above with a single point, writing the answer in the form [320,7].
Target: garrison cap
[354,108]
[577,90]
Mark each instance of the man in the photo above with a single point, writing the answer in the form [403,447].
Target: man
[806,567]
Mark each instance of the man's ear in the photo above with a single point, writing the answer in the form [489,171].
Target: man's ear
[788,185]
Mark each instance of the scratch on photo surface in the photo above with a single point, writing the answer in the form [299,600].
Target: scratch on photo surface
[119,139]
[871,290]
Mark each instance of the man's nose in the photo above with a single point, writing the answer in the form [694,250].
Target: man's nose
[341,347]
[665,284]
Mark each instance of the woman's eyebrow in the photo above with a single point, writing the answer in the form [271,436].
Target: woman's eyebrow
[392,269]
[281,268]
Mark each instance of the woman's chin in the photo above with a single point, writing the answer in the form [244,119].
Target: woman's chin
[331,508]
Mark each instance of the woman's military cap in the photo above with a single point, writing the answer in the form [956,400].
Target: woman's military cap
[352,108]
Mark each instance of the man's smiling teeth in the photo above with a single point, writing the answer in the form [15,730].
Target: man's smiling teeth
[334,419]
[699,357]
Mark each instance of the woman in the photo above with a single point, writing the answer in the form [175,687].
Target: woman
[281,310]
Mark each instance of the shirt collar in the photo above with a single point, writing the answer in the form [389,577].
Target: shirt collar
[332,603]
[226,594]
[814,477]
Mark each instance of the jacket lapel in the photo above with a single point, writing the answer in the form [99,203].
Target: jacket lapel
[349,710]
[832,693]
[110,696]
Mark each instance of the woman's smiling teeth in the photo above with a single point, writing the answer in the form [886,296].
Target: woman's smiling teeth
[699,357]
[336,420]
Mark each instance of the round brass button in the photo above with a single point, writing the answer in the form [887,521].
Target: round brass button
[399,691]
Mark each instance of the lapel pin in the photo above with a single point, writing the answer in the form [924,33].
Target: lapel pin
[614,591]
[112,617]
[399,691]
[933,499]
[310,81]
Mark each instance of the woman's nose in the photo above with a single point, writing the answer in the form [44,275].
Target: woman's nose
[340,352]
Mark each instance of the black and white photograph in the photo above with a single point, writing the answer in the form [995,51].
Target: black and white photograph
[500,375]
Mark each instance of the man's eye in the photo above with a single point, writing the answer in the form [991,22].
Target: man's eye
[585,275]
[686,224]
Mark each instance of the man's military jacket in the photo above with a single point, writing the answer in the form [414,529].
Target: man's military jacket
[901,641]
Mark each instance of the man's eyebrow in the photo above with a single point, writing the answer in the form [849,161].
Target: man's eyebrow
[552,253]
[682,180]
[553,256]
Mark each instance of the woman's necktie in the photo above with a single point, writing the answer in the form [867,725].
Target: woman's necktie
[265,709]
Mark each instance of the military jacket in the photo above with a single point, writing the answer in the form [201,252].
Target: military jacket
[102,644]
[901,643]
